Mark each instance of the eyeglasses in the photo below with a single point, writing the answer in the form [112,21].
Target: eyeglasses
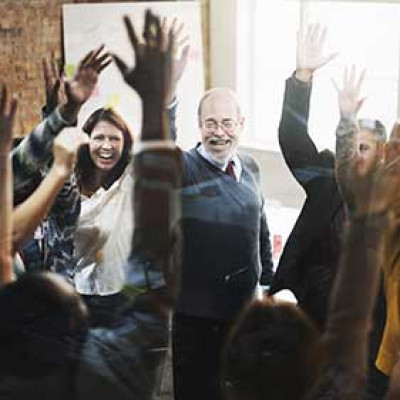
[227,125]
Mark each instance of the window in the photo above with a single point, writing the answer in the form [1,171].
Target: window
[365,34]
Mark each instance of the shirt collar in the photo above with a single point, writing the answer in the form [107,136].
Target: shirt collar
[237,165]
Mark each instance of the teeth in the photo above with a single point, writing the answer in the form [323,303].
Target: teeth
[106,156]
[219,142]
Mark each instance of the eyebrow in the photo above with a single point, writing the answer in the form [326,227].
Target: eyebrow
[223,119]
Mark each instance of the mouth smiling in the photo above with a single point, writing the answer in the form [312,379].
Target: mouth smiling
[106,156]
[219,142]
[106,159]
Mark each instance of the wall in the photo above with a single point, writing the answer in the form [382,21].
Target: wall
[277,183]
[29,31]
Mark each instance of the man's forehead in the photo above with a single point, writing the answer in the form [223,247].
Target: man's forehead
[221,103]
[365,134]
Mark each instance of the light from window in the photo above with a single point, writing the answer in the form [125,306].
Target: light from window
[365,34]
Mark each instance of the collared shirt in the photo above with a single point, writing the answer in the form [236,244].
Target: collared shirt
[237,165]
[103,238]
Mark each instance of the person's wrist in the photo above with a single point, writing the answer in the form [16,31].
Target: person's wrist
[61,169]
[348,118]
[304,75]
[69,111]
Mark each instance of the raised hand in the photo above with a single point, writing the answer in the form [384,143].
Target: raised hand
[53,73]
[350,101]
[310,52]
[65,150]
[8,110]
[179,45]
[153,66]
[81,87]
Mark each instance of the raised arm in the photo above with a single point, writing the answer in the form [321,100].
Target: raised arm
[35,151]
[7,115]
[299,151]
[346,337]
[157,162]
[350,103]
[28,215]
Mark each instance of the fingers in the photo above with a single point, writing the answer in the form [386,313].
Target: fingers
[352,82]
[164,35]
[85,59]
[46,72]
[131,33]
[352,75]
[321,37]
[4,101]
[7,108]
[13,109]
[101,62]
[313,35]
[96,60]
[172,39]
[152,33]
[360,81]
[8,111]
[54,67]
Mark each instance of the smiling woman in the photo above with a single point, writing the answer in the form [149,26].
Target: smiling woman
[102,241]
[102,162]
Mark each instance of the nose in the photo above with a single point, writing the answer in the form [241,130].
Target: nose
[106,144]
[219,132]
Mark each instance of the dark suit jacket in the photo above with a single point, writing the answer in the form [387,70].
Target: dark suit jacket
[309,260]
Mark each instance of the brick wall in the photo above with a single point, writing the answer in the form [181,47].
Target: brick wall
[29,31]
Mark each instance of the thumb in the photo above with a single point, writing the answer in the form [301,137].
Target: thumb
[360,104]
[185,55]
[327,59]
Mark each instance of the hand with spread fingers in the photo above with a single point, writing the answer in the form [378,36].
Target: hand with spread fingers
[350,100]
[80,88]
[8,110]
[152,72]
[179,45]
[310,52]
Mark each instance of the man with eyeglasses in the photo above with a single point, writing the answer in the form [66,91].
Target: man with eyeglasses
[226,247]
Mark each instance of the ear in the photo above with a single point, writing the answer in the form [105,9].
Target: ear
[381,151]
